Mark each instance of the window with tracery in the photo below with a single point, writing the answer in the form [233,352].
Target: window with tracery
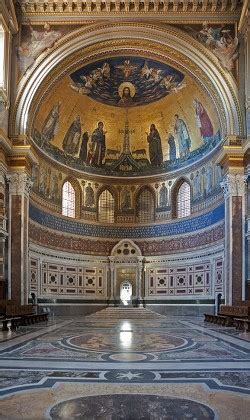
[106,207]
[183,200]
[145,206]
[68,200]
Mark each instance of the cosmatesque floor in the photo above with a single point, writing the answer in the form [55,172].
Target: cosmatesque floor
[94,368]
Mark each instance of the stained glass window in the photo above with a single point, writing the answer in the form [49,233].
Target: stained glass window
[145,206]
[106,207]
[68,200]
[183,200]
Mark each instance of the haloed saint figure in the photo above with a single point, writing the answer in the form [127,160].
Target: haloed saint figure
[98,140]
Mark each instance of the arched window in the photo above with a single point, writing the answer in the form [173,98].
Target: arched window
[68,200]
[183,200]
[145,206]
[106,207]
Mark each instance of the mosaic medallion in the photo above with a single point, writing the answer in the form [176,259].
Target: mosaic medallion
[128,407]
[127,340]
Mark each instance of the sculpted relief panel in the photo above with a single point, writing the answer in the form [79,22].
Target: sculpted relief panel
[126,116]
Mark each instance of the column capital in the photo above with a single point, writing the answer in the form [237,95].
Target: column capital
[234,184]
[19,183]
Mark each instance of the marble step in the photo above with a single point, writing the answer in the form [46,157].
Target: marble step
[124,313]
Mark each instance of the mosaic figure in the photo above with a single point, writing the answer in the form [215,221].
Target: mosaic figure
[54,188]
[183,138]
[126,98]
[126,200]
[203,121]
[43,181]
[163,202]
[72,138]
[197,185]
[99,145]
[155,148]
[84,147]
[89,196]
[35,176]
[90,154]
[209,179]
[126,92]
[127,68]
[172,147]
[51,124]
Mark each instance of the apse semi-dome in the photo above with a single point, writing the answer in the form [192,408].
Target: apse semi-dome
[126,116]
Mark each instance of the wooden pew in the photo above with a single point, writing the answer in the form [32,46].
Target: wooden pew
[242,324]
[16,315]
[228,314]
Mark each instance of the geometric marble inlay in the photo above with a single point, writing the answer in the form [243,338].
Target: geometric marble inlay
[131,407]
[127,341]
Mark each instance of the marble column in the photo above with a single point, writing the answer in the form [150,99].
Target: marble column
[19,189]
[234,188]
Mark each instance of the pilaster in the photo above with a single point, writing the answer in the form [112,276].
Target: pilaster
[112,297]
[140,271]
[19,190]
[3,231]
[234,188]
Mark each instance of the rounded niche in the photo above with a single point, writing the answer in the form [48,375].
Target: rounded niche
[126,116]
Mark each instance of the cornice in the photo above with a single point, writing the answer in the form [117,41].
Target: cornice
[80,10]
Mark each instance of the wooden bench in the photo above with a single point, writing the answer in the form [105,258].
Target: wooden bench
[34,318]
[227,315]
[14,323]
[25,314]
[242,324]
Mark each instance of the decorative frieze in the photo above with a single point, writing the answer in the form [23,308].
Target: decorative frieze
[68,243]
[180,226]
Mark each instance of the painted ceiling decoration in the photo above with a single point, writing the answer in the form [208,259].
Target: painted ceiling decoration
[126,115]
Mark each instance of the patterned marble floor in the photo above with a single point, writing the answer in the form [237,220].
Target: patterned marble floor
[93,368]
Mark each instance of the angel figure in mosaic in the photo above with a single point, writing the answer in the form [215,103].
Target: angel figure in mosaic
[127,68]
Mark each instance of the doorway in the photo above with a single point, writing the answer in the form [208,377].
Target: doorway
[126,293]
